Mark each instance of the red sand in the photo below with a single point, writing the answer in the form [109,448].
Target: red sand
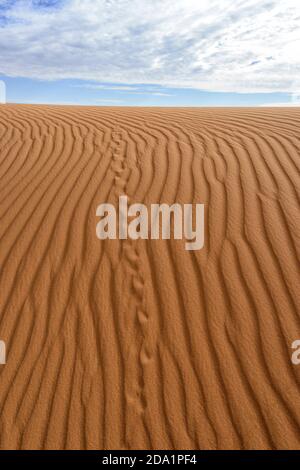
[141,344]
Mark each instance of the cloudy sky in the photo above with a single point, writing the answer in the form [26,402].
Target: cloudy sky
[165,52]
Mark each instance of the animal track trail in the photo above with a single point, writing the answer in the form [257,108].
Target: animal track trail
[139,355]
[134,293]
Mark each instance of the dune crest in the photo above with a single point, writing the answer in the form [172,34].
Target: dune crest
[140,344]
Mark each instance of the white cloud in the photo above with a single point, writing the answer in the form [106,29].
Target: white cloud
[92,86]
[217,45]
[132,90]
[280,105]
[109,101]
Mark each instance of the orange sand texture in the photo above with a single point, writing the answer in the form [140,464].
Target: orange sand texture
[141,344]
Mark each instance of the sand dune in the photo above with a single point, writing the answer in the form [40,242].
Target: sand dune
[123,344]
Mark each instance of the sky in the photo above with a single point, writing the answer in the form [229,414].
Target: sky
[151,53]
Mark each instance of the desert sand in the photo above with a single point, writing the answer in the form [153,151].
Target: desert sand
[123,344]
